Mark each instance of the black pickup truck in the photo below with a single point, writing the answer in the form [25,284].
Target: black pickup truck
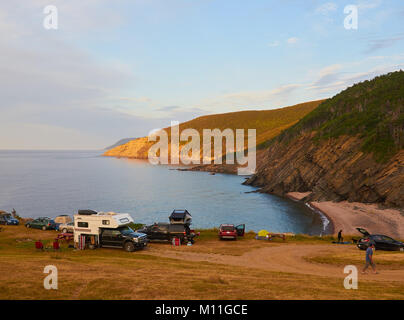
[167,231]
[123,237]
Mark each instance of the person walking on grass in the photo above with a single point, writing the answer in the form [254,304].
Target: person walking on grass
[340,238]
[369,259]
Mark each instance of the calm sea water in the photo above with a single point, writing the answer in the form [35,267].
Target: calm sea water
[49,183]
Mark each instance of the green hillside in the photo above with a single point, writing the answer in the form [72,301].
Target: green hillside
[268,123]
[372,109]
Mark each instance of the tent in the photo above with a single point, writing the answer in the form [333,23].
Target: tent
[180,217]
[263,233]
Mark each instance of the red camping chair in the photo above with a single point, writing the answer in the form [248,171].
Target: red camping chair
[56,245]
[38,245]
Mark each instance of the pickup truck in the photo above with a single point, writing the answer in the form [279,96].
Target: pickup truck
[167,231]
[123,237]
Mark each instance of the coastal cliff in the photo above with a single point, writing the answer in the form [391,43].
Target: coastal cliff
[349,148]
[268,124]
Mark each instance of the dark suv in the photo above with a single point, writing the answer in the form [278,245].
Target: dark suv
[381,242]
[167,231]
[123,237]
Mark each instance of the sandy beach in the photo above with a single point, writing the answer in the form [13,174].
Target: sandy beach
[347,216]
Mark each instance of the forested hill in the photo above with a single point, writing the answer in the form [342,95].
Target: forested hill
[373,109]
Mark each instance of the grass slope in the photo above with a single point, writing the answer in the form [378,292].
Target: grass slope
[115,274]
[268,124]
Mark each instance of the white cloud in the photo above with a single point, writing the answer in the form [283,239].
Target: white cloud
[292,40]
[254,99]
[50,90]
[334,78]
[369,4]
[326,8]
[273,44]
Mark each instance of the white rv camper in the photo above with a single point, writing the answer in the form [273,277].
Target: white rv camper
[89,227]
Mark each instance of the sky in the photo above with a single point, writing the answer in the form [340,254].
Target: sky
[117,69]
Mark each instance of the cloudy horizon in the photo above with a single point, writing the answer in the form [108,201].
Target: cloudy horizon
[119,69]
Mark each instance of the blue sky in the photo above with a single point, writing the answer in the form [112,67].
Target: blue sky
[117,69]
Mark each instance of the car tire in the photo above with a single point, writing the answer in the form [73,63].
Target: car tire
[129,246]
[43,228]
[64,230]
[402,249]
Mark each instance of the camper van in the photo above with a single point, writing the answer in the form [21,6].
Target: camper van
[106,229]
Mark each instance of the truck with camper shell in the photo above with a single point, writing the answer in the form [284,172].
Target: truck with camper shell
[106,229]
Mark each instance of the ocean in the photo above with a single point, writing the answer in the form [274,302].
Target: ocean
[50,183]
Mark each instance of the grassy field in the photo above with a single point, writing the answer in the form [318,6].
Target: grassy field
[301,267]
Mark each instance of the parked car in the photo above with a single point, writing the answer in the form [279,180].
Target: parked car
[43,223]
[229,231]
[166,231]
[123,237]
[381,242]
[7,219]
[66,227]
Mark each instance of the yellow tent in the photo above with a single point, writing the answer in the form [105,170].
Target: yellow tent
[263,233]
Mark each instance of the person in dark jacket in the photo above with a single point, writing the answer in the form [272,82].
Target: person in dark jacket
[340,238]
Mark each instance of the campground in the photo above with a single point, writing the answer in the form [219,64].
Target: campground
[301,267]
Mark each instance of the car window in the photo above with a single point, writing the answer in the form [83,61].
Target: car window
[82,224]
[388,239]
[116,232]
[228,228]
[126,230]
[377,238]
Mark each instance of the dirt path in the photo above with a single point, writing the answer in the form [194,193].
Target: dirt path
[284,258]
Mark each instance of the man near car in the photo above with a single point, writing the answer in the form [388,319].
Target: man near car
[369,259]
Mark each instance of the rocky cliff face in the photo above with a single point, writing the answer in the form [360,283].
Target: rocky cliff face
[334,169]
[351,147]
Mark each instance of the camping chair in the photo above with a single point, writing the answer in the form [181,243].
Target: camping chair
[39,245]
[56,245]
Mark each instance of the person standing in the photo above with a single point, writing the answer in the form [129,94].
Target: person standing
[340,238]
[369,258]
